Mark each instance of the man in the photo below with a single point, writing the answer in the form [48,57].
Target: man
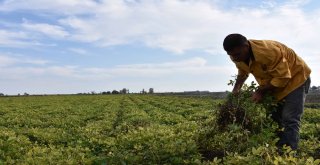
[278,70]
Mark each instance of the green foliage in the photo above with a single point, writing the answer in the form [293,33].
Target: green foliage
[141,129]
[242,132]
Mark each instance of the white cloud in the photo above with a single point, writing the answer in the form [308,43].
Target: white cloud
[194,66]
[33,72]
[164,24]
[179,26]
[84,32]
[9,60]
[19,39]
[6,60]
[21,74]
[78,51]
[13,39]
[167,76]
[57,6]
[36,61]
[174,25]
[193,62]
[53,31]
[189,74]
[64,71]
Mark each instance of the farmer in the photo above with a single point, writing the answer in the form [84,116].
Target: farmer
[279,71]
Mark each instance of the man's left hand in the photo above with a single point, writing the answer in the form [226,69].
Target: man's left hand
[257,96]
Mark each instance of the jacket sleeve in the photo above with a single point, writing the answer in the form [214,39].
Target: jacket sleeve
[279,70]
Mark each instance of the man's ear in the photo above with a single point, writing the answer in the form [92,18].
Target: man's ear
[247,44]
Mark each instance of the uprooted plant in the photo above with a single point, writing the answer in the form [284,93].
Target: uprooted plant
[241,110]
[237,119]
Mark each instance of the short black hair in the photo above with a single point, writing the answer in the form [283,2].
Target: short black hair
[233,40]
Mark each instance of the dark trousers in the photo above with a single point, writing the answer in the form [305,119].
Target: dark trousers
[288,115]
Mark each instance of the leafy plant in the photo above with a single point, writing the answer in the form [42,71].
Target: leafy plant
[238,121]
[143,129]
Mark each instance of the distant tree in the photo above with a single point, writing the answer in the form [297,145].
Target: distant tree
[115,92]
[151,90]
[106,92]
[1,94]
[26,94]
[315,89]
[124,91]
[143,91]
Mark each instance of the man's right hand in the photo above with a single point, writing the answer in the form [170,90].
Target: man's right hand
[237,86]
[235,92]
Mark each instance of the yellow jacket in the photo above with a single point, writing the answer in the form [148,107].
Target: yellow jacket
[275,63]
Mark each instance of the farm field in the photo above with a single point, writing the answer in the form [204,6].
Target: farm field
[137,129]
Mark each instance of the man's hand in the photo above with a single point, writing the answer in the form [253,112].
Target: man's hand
[257,96]
[235,92]
[239,82]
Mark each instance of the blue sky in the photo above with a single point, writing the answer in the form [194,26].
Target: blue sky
[72,46]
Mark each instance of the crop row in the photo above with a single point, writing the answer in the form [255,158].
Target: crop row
[124,129]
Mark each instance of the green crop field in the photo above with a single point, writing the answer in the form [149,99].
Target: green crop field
[138,129]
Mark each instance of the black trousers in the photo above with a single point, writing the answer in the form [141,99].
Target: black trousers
[288,115]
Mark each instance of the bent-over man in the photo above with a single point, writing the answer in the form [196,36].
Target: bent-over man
[278,70]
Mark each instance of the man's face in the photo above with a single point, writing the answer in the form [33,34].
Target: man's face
[240,53]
